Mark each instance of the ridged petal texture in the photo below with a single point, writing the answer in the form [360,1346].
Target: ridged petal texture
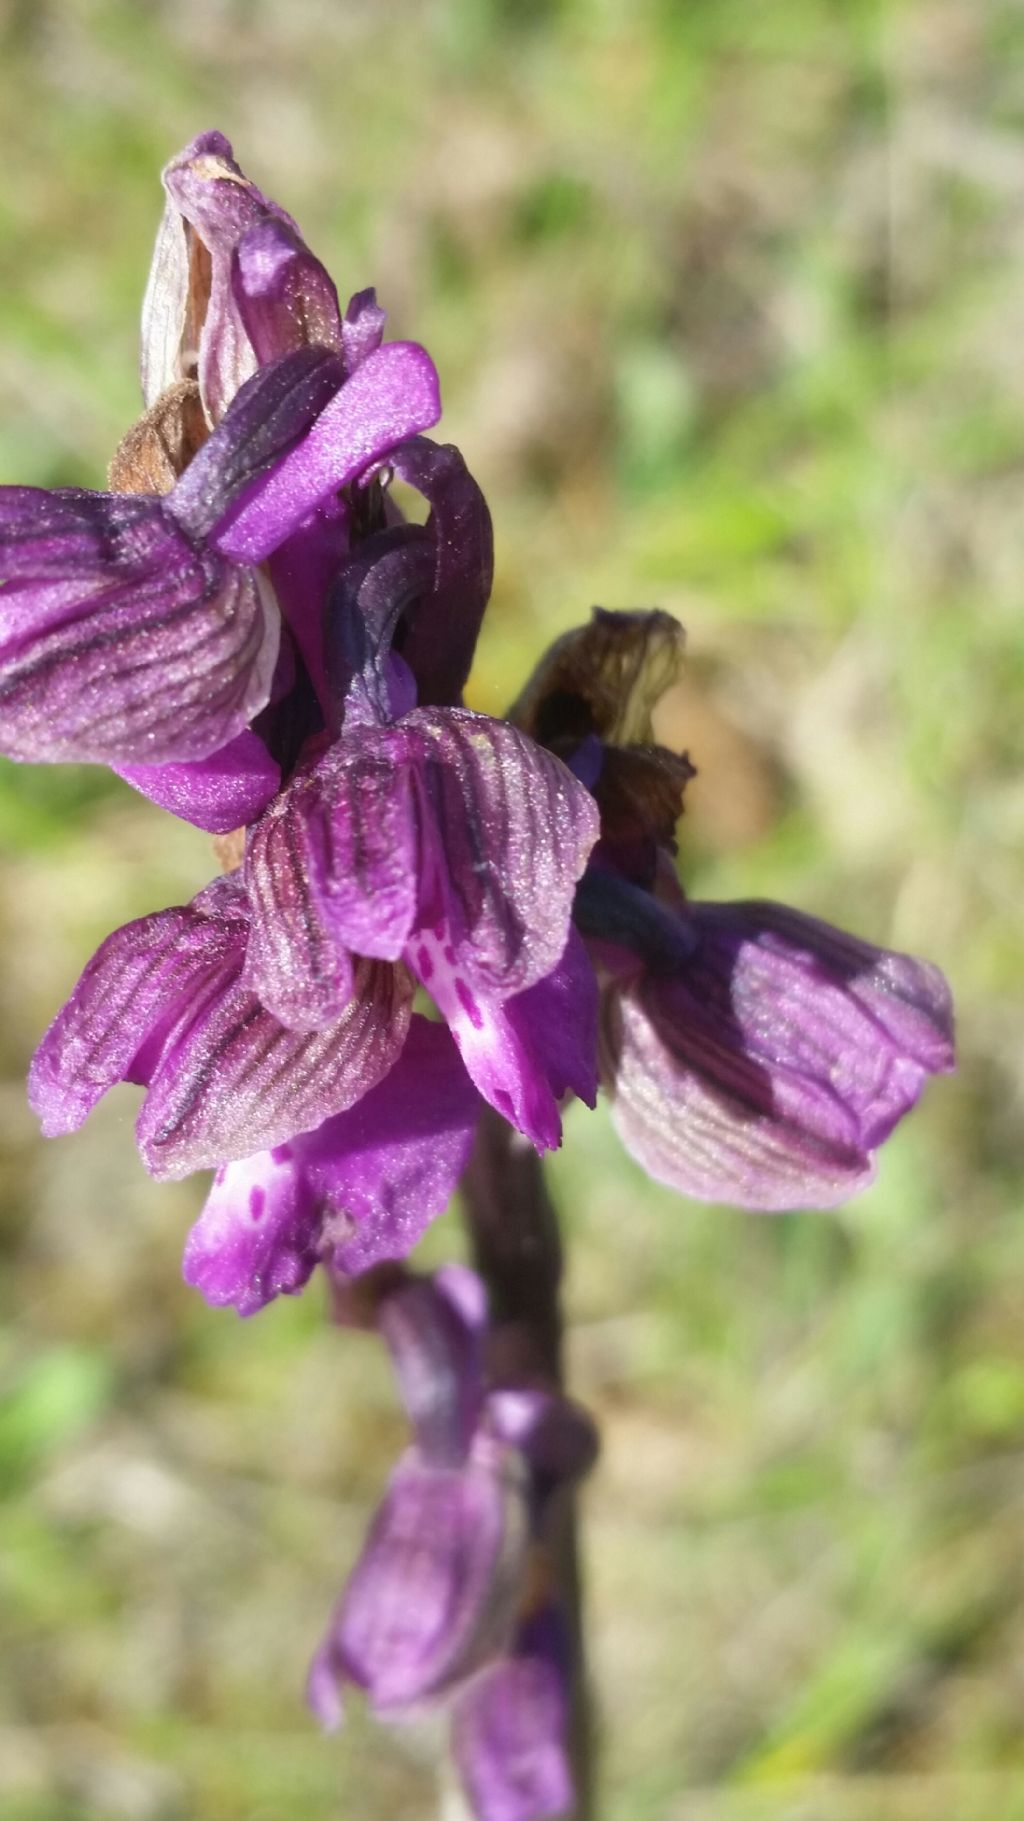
[443,631]
[446,825]
[122,640]
[358,1190]
[162,1003]
[768,1068]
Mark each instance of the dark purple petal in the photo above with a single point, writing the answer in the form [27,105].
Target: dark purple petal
[388,574]
[434,1592]
[509,1741]
[231,1080]
[256,1237]
[391,396]
[139,979]
[226,791]
[120,640]
[770,1067]
[283,294]
[442,634]
[434,1327]
[384,1169]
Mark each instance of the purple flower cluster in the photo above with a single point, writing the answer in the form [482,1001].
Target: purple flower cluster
[423,910]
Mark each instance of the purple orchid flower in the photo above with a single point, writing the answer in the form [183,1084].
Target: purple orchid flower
[753,1055]
[163,1003]
[442,1607]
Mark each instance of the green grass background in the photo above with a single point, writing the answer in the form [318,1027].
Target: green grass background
[728,304]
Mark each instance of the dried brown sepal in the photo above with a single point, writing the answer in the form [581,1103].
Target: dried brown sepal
[229,850]
[640,793]
[604,678]
[158,449]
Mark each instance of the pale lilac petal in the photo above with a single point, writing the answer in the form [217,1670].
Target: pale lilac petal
[509,1741]
[434,1328]
[120,640]
[391,396]
[442,634]
[323,1688]
[769,1068]
[434,1592]
[141,977]
[384,1169]
[226,791]
[231,1080]
[256,1236]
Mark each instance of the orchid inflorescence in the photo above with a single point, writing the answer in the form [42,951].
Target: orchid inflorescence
[424,913]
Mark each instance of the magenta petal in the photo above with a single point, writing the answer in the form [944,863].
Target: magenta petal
[141,977]
[226,791]
[768,1068]
[509,1741]
[557,1021]
[256,1236]
[384,1169]
[433,1594]
[121,641]
[231,1080]
[391,396]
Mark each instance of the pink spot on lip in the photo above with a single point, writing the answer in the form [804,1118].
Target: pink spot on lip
[449,955]
[424,964]
[257,1201]
[469,1004]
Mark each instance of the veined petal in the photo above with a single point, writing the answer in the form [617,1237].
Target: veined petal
[392,395]
[771,1066]
[505,831]
[358,1190]
[330,868]
[256,1237]
[226,791]
[136,983]
[231,1080]
[442,634]
[122,641]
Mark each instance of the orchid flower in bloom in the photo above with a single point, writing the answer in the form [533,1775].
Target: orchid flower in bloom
[449,1604]
[432,926]
[753,1054]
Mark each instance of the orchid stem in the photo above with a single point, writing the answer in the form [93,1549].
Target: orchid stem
[517,1249]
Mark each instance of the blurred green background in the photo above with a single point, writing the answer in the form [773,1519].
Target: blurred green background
[727,298]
